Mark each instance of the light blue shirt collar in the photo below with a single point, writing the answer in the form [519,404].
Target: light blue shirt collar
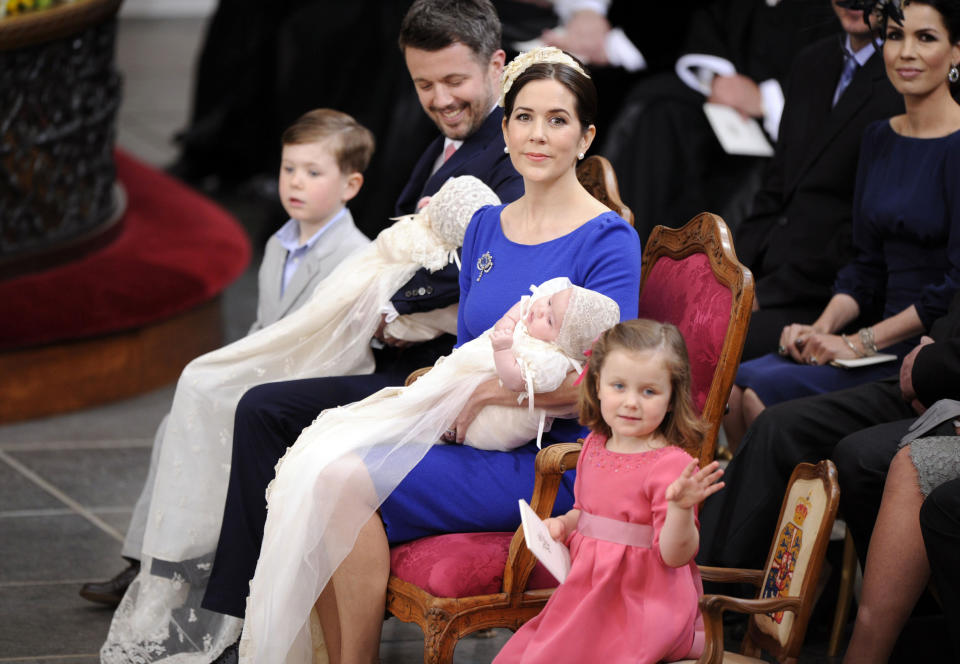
[863,54]
[289,238]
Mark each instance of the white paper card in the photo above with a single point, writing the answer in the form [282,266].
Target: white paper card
[737,135]
[554,555]
[879,358]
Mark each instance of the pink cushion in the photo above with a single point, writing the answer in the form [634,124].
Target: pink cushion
[460,564]
[685,292]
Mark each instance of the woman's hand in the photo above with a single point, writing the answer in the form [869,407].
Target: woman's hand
[486,393]
[792,340]
[559,403]
[823,348]
[693,485]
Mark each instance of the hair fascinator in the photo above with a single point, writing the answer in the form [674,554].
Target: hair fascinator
[882,10]
[541,55]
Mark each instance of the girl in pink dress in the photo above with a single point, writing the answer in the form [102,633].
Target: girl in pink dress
[631,594]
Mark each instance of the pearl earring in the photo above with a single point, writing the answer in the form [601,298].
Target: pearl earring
[954,74]
[580,156]
[506,150]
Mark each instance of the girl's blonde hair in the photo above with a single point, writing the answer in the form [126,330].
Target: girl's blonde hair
[681,425]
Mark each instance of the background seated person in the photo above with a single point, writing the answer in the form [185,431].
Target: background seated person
[906,233]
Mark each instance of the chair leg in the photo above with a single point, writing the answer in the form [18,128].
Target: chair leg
[439,641]
[845,594]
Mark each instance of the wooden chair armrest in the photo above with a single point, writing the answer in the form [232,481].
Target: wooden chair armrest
[717,604]
[552,461]
[558,458]
[712,608]
[731,575]
[416,373]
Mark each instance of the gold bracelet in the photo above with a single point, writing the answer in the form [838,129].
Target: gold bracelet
[851,346]
[866,340]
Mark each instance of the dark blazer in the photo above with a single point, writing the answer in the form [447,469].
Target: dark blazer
[936,369]
[482,156]
[798,234]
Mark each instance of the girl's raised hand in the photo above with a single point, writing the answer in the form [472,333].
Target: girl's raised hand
[694,485]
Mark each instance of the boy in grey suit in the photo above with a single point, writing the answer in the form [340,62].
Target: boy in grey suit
[324,155]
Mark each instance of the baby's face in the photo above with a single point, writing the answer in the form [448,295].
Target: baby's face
[546,315]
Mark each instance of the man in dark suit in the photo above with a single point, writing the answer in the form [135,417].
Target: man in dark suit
[737,53]
[452,51]
[798,233]
[860,428]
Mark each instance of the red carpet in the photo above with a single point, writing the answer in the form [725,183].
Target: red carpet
[177,249]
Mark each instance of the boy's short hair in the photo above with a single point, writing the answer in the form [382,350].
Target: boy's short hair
[432,25]
[352,142]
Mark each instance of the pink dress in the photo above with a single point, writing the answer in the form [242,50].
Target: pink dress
[620,603]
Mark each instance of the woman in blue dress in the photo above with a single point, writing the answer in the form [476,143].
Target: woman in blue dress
[555,229]
[906,234]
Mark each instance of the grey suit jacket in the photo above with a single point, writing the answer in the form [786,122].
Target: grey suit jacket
[332,247]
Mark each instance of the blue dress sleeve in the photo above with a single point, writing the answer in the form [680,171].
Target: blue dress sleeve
[864,278]
[610,264]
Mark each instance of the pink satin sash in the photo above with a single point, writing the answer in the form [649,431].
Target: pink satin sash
[615,530]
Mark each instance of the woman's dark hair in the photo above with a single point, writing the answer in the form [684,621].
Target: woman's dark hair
[682,425]
[432,25]
[949,10]
[582,88]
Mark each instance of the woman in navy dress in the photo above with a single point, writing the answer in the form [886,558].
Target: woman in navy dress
[555,229]
[906,234]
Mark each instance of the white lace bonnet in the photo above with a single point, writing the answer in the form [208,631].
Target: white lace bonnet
[451,208]
[588,314]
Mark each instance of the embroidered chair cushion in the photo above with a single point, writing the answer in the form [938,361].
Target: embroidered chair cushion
[460,564]
[684,292]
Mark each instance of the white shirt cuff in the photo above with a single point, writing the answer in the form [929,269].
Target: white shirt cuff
[698,69]
[621,52]
[389,311]
[772,95]
[564,9]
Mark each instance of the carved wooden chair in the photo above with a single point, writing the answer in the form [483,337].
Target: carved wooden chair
[691,277]
[786,586]
[453,585]
[596,175]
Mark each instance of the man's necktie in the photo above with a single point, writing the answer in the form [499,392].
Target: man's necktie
[849,69]
[448,152]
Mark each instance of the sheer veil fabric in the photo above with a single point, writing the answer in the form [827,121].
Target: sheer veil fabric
[160,616]
[332,480]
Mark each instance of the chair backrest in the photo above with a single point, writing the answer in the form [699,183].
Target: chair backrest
[691,277]
[597,176]
[796,556]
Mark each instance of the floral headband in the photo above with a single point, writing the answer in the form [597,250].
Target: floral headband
[544,54]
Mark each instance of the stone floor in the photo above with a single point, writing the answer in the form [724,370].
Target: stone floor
[68,483]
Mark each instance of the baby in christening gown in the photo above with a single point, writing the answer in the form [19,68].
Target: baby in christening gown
[351,458]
